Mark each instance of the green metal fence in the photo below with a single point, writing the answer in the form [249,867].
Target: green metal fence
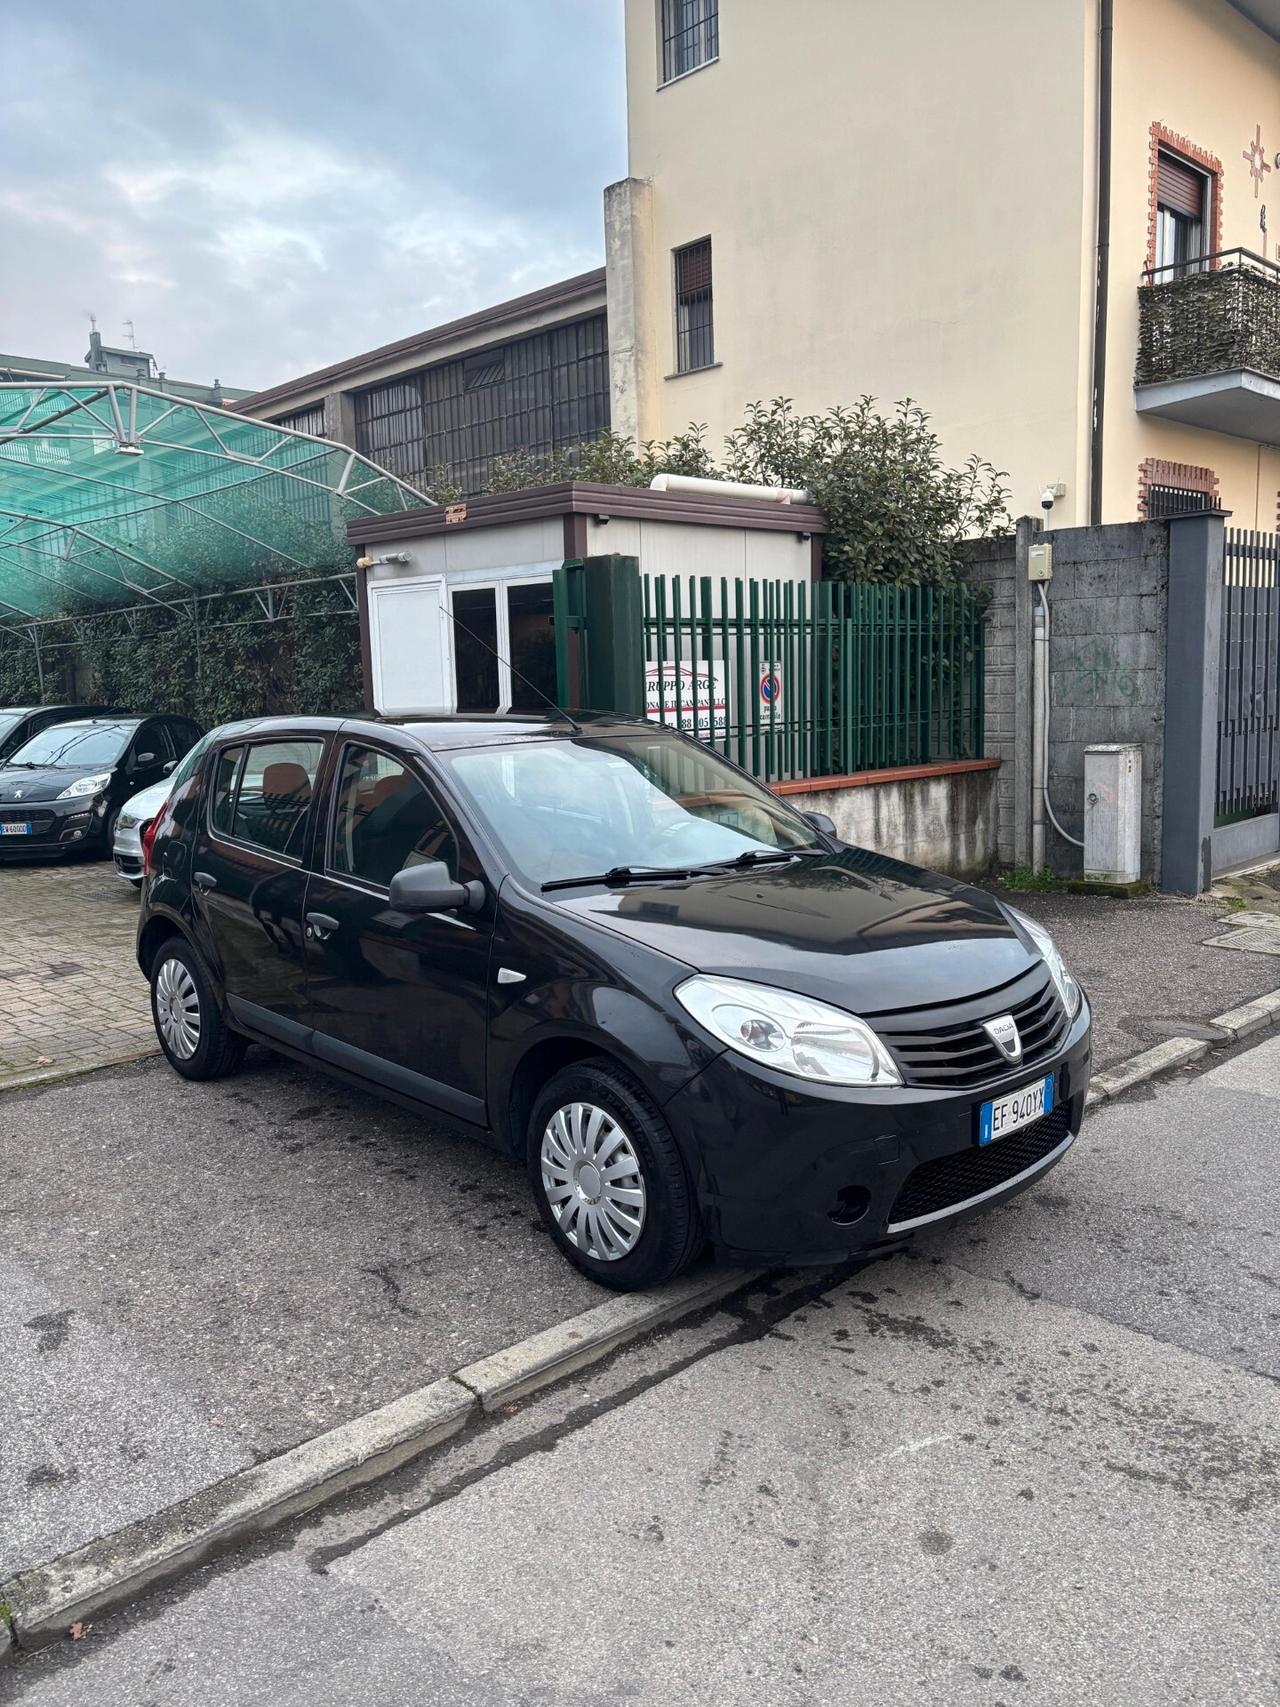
[829,679]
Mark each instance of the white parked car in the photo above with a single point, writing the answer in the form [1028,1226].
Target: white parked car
[134,817]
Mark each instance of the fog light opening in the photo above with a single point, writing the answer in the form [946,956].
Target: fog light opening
[850,1205]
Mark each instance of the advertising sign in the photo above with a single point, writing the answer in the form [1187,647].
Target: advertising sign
[698,689]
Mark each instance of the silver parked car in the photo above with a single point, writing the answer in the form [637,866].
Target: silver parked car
[134,817]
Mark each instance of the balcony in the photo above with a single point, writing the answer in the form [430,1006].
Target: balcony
[1209,345]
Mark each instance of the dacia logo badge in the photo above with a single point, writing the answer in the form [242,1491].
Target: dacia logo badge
[1003,1032]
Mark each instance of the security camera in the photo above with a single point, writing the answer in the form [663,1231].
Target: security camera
[1047,498]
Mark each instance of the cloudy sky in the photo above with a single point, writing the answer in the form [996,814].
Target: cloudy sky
[264,186]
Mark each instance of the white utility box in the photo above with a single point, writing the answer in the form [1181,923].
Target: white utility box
[1113,813]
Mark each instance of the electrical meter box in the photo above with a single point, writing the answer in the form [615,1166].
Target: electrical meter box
[1113,813]
[1040,562]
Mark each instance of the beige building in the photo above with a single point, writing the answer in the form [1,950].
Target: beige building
[1007,210]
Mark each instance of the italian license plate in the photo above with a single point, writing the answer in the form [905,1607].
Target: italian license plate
[15,829]
[1003,1115]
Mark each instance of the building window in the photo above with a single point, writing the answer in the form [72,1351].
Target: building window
[389,426]
[1184,206]
[543,394]
[308,420]
[690,35]
[1182,216]
[1174,488]
[695,338]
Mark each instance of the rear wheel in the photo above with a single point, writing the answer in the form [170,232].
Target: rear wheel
[609,1179]
[193,1034]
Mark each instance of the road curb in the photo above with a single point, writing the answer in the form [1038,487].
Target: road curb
[543,1358]
[58,1075]
[41,1604]
[44,1602]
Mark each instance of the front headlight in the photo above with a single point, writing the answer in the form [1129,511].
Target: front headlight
[86,785]
[1067,987]
[790,1033]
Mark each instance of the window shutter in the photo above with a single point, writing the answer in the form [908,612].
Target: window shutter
[693,268]
[1179,188]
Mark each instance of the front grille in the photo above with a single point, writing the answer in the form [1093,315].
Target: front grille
[39,819]
[950,1180]
[947,1049]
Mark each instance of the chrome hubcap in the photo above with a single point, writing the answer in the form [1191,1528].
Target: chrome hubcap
[591,1176]
[178,1009]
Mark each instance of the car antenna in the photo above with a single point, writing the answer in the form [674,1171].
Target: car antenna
[558,709]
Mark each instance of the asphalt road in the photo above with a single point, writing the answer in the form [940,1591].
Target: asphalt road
[1037,1463]
[198,1276]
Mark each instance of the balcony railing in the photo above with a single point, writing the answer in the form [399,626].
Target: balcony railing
[1218,314]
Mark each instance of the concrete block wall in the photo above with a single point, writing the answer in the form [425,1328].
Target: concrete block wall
[993,563]
[1108,605]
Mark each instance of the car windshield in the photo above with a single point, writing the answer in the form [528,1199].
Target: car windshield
[75,746]
[585,806]
[10,716]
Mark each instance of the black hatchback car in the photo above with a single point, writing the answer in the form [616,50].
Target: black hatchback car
[689,1010]
[62,789]
[18,723]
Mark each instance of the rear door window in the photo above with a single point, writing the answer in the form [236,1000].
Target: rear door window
[273,800]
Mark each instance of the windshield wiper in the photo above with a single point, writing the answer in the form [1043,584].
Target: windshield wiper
[623,874]
[758,856]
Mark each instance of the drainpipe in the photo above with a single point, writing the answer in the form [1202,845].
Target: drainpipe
[1106,30]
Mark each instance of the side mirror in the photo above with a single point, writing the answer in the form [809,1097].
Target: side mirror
[428,888]
[821,822]
[142,760]
[169,766]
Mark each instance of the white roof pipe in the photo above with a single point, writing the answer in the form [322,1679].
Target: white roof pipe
[727,488]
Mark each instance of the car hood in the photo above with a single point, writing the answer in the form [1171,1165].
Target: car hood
[20,786]
[148,801]
[854,928]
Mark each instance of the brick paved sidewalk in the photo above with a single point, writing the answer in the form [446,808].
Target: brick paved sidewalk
[71,995]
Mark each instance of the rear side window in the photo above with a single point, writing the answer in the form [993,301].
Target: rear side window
[385,820]
[274,797]
[224,788]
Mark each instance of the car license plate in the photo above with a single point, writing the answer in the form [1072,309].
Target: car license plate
[1003,1115]
[15,829]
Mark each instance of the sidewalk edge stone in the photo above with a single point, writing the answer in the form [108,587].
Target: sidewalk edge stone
[1251,1016]
[1173,1052]
[109,1572]
[536,1362]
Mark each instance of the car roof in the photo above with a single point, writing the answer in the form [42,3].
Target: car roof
[447,732]
[121,722]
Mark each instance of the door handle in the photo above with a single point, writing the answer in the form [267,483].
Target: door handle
[320,926]
[204,881]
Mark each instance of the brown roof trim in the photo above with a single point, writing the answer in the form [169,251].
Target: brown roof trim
[561,295]
[581,497]
[869,779]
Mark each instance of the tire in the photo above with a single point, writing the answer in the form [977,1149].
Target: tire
[628,1132]
[203,1047]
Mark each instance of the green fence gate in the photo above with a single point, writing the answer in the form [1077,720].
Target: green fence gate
[788,679]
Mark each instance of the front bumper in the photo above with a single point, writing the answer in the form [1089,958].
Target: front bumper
[56,827]
[789,1174]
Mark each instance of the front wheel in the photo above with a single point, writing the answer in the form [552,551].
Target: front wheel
[609,1180]
[193,1034]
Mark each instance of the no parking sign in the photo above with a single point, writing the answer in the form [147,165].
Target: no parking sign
[771,689]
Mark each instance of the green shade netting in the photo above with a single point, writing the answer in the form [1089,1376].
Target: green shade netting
[114,495]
